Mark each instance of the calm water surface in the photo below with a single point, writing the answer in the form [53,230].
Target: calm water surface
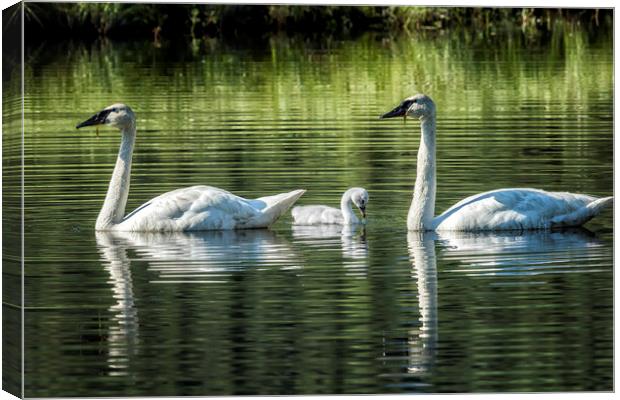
[296,310]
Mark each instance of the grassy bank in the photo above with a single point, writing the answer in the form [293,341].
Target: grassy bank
[157,21]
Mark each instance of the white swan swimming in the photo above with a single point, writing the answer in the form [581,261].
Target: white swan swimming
[316,215]
[503,209]
[196,208]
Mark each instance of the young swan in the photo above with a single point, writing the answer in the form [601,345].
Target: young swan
[316,215]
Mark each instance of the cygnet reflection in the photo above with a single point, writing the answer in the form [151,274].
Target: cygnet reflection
[350,238]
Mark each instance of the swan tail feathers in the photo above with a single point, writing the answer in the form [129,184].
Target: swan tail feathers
[279,204]
[598,205]
[602,203]
[584,214]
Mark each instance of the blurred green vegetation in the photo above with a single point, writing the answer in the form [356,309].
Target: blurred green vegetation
[298,113]
[125,20]
[341,86]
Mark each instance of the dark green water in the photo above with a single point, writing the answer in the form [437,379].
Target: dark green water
[300,311]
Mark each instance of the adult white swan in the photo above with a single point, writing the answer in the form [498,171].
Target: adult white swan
[316,215]
[195,208]
[503,209]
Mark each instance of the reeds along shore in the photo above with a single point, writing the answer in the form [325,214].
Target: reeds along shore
[126,20]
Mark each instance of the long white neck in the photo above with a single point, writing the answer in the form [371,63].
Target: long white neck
[347,210]
[422,208]
[113,209]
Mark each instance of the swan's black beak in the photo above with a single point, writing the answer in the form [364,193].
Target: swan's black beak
[400,111]
[363,211]
[97,119]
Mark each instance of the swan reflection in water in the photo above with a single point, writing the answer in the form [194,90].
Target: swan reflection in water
[530,253]
[197,257]
[352,243]
[423,341]
[209,257]
[123,328]
[496,253]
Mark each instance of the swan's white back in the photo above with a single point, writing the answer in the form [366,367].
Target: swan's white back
[202,208]
[517,209]
[315,215]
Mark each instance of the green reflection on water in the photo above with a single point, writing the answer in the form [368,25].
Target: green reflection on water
[292,114]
